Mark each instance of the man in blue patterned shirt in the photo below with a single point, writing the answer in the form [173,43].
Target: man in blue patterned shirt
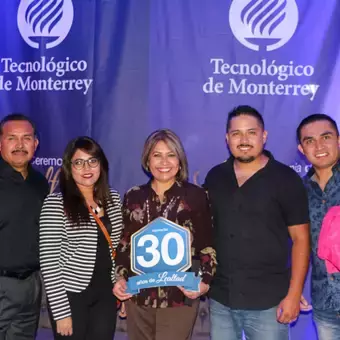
[318,137]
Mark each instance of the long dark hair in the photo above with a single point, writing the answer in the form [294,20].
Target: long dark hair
[74,202]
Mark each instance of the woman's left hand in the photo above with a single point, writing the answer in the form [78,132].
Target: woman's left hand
[194,295]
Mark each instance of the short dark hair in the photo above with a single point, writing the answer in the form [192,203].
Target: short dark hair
[316,117]
[15,117]
[244,110]
[74,202]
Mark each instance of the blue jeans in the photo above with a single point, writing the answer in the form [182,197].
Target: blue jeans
[229,324]
[327,324]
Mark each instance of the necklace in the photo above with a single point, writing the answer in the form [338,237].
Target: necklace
[97,209]
[166,210]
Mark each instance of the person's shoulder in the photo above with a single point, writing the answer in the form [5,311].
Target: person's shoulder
[54,199]
[39,177]
[194,192]
[217,171]
[40,181]
[284,169]
[114,194]
[194,188]
[115,198]
[218,168]
[55,196]
[284,174]
[136,190]
[136,194]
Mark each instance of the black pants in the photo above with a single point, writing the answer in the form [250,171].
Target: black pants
[19,307]
[94,314]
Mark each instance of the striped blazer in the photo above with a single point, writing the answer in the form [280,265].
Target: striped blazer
[68,253]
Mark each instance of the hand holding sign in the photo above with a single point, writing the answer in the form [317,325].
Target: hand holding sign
[119,290]
[203,289]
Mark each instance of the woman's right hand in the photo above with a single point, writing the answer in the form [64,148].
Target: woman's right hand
[64,326]
[119,290]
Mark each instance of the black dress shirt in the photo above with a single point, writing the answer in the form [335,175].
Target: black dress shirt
[251,233]
[21,201]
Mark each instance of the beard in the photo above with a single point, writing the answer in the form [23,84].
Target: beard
[246,159]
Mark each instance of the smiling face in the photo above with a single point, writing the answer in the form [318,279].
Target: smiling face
[246,138]
[320,144]
[85,169]
[18,143]
[163,163]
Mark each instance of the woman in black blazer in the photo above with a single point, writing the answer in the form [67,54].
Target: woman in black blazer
[80,229]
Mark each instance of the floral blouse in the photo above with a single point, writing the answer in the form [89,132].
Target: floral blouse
[185,204]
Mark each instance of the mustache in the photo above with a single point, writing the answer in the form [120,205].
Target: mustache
[20,150]
[244,146]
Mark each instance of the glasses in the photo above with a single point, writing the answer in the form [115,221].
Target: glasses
[80,163]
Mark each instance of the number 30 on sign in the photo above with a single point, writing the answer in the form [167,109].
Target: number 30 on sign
[160,246]
[160,256]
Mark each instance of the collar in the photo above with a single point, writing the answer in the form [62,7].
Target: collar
[174,190]
[8,171]
[335,169]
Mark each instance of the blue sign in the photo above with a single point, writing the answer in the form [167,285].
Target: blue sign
[160,255]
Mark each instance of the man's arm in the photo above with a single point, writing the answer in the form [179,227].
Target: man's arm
[300,258]
[289,307]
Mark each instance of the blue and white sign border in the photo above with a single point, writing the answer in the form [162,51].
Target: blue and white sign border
[172,224]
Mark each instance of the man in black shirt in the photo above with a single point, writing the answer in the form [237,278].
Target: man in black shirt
[22,191]
[257,204]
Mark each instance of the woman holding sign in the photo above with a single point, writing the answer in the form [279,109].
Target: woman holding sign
[169,208]
[79,231]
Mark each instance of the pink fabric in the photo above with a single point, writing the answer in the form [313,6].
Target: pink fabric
[329,240]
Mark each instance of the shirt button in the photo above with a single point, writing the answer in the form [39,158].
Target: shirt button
[323,201]
[332,278]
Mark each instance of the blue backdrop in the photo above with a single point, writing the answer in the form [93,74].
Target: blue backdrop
[118,69]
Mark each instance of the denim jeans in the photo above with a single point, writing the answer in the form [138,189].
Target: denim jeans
[229,324]
[327,324]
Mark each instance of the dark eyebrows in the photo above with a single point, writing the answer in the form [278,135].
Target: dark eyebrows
[306,138]
[83,159]
[237,130]
[326,133]
[160,152]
